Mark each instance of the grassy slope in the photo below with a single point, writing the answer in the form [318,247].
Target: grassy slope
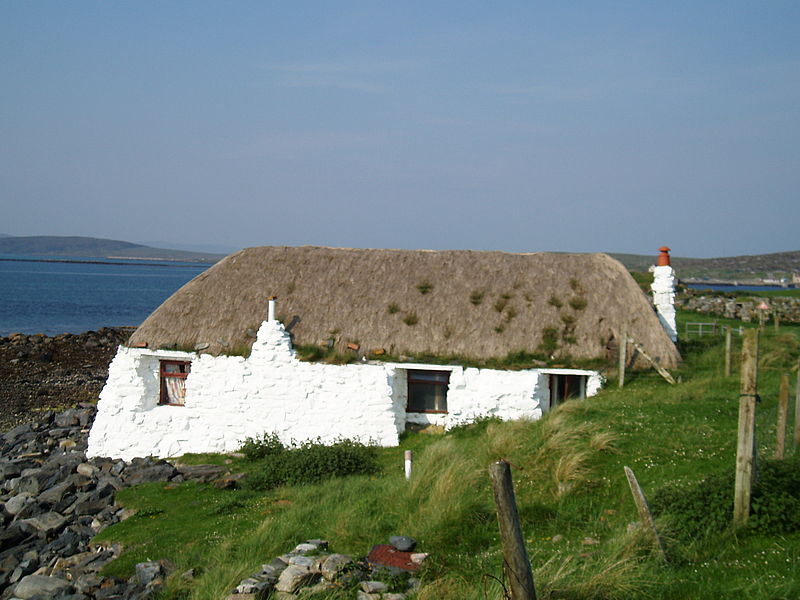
[569,482]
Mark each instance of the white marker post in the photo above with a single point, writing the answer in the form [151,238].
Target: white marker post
[408,463]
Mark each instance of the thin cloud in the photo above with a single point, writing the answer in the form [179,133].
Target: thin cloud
[337,68]
[356,86]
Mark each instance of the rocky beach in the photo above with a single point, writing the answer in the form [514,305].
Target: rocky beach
[40,373]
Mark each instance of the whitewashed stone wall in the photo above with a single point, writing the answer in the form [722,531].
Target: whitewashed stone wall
[663,287]
[230,398]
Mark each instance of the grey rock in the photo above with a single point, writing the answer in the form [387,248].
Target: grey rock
[275,567]
[149,573]
[333,565]
[55,494]
[303,561]
[90,507]
[294,578]
[205,473]
[305,548]
[30,483]
[403,543]
[47,523]
[158,472]
[320,544]
[33,585]
[16,503]
[374,587]
[86,469]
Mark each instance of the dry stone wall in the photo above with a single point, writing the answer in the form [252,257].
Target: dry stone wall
[745,310]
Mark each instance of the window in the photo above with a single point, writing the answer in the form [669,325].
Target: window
[427,391]
[564,387]
[173,382]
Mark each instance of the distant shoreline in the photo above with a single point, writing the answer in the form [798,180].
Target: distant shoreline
[112,260]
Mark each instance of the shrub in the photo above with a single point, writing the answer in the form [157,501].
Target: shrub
[312,462]
[410,319]
[425,287]
[392,308]
[267,445]
[549,343]
[577,302]
[554,301]
[476,297]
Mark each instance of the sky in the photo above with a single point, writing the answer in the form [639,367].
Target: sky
[520,126]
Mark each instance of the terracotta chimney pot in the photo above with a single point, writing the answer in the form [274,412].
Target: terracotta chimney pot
[663,257]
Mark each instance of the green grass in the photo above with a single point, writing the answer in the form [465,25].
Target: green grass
[569,484]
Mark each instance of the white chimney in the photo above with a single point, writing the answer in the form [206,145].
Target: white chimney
[663,287]
[271,309]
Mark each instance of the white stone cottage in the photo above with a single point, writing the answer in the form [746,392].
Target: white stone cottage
[165,399]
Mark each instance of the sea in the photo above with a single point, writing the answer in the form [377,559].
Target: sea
[719,287]
[56,295]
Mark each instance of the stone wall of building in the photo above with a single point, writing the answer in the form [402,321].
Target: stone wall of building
[230,398]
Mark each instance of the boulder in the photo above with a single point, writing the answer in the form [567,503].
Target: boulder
[41,585]
[47,523]
[294,578]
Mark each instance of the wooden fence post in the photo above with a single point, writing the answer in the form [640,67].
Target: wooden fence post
[516,565]
[623,348]
[745,446]
[644,512]
[783,410]
[797,409]
[728,351]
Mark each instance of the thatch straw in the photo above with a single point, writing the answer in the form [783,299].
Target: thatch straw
[476,304]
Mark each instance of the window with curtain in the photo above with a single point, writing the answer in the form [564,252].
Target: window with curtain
[173,382]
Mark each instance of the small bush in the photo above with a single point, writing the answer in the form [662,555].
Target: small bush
[554,301]
[392,308]
[568,319]
[267,445]
[577,302]
[476,297]
[410,319]
[312,462]
[425,287]
[549,343]
[500,304]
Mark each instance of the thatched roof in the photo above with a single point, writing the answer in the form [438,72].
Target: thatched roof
[468,303]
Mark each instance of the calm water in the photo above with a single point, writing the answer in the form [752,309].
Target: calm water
[60,297]
[736,288]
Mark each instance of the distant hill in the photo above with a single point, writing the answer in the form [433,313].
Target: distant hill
[735,268]
[751,267]
[87,247]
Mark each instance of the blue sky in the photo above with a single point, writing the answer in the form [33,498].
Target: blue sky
[520,126]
